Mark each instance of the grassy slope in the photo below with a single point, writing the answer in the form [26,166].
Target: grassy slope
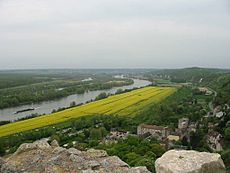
[123,104]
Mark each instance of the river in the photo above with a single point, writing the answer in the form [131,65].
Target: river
[46,107]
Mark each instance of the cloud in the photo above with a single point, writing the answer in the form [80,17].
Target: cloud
[105,33]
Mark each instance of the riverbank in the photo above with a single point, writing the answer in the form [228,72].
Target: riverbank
[126,104]
[47,107]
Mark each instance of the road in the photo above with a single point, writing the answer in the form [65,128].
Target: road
[210,104]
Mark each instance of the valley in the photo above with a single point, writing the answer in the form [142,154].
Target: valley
[127,104]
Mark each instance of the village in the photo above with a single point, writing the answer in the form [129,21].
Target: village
[169,138]
[174,138]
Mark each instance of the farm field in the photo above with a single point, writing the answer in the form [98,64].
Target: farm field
[126,104]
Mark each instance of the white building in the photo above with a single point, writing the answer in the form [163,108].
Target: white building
[219,114]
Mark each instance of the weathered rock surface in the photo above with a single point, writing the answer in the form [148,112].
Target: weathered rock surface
[182,161]
[54,143]
[40,157]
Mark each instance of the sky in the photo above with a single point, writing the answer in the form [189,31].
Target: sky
[114,33]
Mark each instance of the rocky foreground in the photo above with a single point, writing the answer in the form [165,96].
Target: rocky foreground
[40,157]
[182,161]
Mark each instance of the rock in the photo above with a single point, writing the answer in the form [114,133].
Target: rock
[41,157]
[141,169]
[92,164]
[8,168]
[76,159]
[114,161]
[25,147]
[182,161]
[59,150]
[1,162]
[88,171]
[96,153]
[54,143]
[41,144]
[124,170]
[74,151]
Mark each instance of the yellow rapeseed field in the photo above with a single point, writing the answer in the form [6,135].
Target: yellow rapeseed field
[126,104]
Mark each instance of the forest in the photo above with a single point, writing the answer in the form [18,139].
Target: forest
[18,88]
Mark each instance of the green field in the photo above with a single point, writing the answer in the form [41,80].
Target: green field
[126,104]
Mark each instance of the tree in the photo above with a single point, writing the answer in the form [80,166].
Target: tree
[148,162]
[227,133]
[131,158]
[226,157]
[101,96]
[2,150]
[119,91]
[72,104]
[95,134]
[55,137]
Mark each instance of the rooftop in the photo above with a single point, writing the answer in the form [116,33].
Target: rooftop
[155,127]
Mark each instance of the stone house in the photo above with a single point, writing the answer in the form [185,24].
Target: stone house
[157,132]
[173,138]
[116,135]
[184,128]
[217,109]
[215,141]
[192,127]
[183,123]
[205,90]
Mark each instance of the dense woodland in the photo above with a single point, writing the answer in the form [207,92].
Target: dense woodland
[26,88]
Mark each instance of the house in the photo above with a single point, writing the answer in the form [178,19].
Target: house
[192,127]
[184,129]
[116,135]
[183,123]
[173,138]
[215,141]
[217,109]
[170,141]
[157,132]
[219,114]
[205,90]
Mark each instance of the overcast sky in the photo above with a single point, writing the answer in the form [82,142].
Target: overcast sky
[114,33]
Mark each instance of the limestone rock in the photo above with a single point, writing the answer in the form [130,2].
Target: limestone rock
[41,144]
[114,161]
[1,162]
[182,161]
[41,157]
[96,153]
[54,143]
[74,151]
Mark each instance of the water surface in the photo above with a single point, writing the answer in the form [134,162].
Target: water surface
[46,107]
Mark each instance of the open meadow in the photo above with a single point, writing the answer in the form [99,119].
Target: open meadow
[126,104]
